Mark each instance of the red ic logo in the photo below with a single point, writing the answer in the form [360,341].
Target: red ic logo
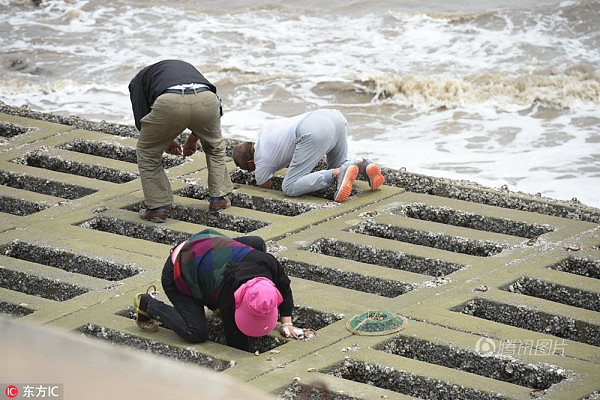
[11,391]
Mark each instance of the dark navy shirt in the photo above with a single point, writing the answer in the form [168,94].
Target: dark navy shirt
[153,80]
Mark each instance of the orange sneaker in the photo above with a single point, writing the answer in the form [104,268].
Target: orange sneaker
[345,180]
[373,174]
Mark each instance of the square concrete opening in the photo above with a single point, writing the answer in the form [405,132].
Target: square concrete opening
[152,232]
[536,287]
[187,355]
[310,391]
[382,257]
[507,369]
[202,216]
[14,310]
[303,317]
[242,200]
[39,159]
[404,382]
[115,152]
[38,286]
[159,234]
[480,248]
[43,186]
[247,178]
[448,216]
[20,207]
[215,219]
[579,266]
[217,335]
[8,129]
[452,189]
[308,317]
[344,279]
[533,320]
[68,261]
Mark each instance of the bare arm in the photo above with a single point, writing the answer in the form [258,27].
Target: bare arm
[266,185]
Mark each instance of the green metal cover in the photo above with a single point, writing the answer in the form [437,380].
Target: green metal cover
[375,323]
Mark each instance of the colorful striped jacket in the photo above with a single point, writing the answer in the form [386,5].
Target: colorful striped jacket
[199,263]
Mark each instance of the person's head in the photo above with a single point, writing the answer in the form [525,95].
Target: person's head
[243,155]
[256,303]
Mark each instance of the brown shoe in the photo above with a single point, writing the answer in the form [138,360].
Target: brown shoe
[217,205]
[157,215]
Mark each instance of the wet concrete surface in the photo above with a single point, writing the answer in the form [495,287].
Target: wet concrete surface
[499,290]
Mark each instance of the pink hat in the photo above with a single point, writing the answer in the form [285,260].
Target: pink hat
[256,303]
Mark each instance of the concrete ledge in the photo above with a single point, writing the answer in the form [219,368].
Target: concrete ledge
[94,370]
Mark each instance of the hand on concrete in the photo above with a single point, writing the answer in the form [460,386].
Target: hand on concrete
[290,331]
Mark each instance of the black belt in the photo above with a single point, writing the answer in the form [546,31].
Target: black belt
[187,90]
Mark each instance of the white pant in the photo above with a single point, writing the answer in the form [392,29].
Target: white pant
[320,133]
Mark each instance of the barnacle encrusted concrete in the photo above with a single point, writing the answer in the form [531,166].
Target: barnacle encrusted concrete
[499,290]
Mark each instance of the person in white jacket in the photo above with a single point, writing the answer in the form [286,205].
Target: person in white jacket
[299,143]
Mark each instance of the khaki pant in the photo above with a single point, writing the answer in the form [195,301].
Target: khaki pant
[171,114]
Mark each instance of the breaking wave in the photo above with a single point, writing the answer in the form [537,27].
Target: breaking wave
[575,87]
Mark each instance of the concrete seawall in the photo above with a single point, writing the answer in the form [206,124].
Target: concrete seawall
[498,291]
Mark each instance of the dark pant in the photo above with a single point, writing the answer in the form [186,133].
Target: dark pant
[187,317]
